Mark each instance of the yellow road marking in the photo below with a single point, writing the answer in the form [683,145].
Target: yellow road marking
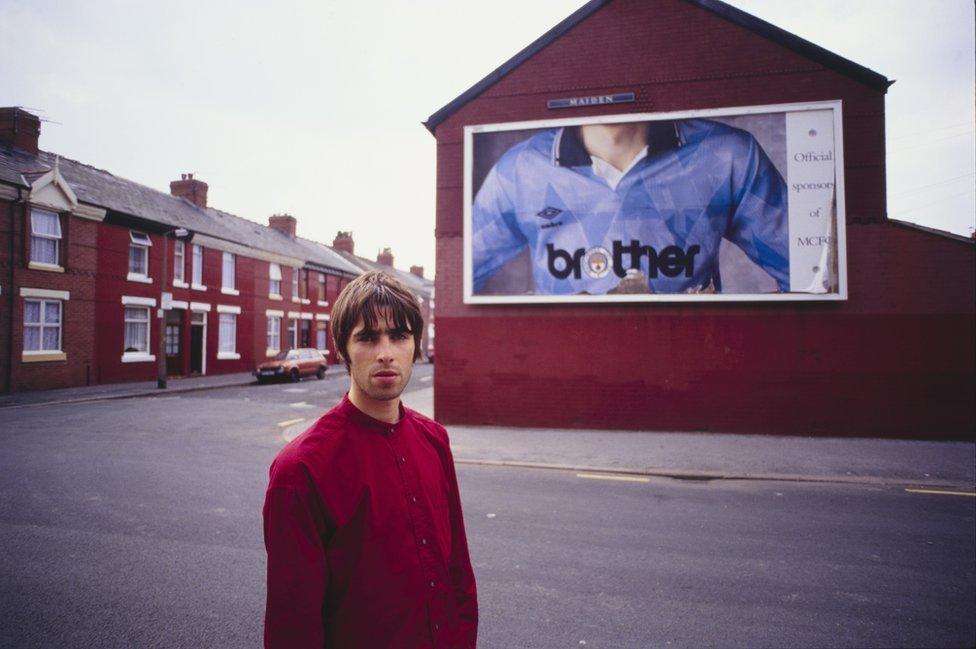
[282,424]
[622,478]
[971,494]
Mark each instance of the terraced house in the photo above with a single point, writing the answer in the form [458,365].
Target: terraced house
[94,268]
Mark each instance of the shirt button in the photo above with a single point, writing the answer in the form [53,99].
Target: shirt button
[436,626]
[431,584]
[403,460]
[413,498]
[423,541]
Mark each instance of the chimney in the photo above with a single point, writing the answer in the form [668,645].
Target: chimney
[19,129]
[284,223]
[418,271]
[191,189]
[343,241]
[385,258]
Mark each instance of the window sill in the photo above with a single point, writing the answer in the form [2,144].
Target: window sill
[321,303]
[40,265]
[229,291]
[272,352]
[306,301]
[137,357]
[198,287]
[228,356]
[178,284]
[275,296]
[136,277]
[43,357]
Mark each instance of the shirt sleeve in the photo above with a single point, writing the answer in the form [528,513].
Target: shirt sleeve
[760,223]
[297,571]
[462,575]
[495,235]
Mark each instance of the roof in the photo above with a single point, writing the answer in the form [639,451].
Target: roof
[419,285]
[101,188]
[762,28]
[942,233]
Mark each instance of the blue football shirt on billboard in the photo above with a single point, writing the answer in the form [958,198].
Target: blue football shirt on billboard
[661,226]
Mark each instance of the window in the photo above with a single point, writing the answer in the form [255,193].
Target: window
[42,325]
[179,265]
[197,264]
[227,334]
[293,333]
[136,330]
[320,343]
[227,274]
[139,244]
[321,287]
[274,283]
[274,333]
[294,284]
[45,238]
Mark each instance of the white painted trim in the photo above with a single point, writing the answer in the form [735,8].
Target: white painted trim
[306,301]
[322,316]
[179,304]
[295,300]
[44,293]
[273,312]
[294,315]
[43,356]
[89,212]
[324,352]
[200,306]
[139,277]
[138,357]
[306,316]
[198,287]
[275,297]
[321,303]
[133,300]
[180,284]
[228,356]
[229,291]
[228,308]
[40,265]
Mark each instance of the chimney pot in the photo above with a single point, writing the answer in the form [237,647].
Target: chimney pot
[418,271]
[284,223]
[343,241]
[385,258]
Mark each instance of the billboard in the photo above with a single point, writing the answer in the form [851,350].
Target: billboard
[742,203]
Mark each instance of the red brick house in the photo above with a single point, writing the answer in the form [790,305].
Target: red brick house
[81,272]
[892,357]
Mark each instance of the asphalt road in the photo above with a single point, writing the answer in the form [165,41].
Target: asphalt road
[136,523]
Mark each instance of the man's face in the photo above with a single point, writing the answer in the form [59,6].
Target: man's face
[380,360]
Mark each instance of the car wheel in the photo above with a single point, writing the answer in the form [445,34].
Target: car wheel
[260,380]
[294,376]
[321,372]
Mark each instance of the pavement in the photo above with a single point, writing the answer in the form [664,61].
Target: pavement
[948,465]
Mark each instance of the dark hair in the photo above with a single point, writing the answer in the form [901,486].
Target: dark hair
[367,297]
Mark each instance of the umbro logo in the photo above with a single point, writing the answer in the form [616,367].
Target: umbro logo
[549,213]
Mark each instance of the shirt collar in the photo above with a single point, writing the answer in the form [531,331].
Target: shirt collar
[568,149]
[363,420]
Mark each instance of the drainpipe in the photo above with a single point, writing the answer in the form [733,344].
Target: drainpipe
[13,295]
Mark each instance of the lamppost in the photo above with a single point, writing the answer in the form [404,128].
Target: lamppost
[179,233]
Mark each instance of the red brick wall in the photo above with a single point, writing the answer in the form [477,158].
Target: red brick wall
[77,333]
[896,359]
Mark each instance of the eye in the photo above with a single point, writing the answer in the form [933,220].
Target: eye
[399,335]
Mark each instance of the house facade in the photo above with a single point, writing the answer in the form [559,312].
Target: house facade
[892,355]
[100,275]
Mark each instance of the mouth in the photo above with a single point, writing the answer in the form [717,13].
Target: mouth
[386,377]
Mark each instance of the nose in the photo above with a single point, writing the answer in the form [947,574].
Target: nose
[384,349]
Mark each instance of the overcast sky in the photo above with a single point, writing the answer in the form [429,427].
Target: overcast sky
[315,107]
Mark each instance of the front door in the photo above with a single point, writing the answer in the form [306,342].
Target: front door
[174,342]
[198,328]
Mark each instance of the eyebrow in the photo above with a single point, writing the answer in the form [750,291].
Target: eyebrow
[366,331]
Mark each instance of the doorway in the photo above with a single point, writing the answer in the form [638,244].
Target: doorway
[198,343]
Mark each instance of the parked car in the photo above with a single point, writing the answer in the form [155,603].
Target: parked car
[292,364]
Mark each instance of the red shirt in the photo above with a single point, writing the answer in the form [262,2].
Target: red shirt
[365,538]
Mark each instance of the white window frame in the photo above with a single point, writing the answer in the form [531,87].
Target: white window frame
[179,268]
[227,348]
[196,267]
[40,264]
[144,304]
[139,241]
[293,331]
[273,334]
[294,285]
[274,281]
[44,353]
[228,273]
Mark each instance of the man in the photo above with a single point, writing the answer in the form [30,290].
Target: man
[605,208]
[362,518]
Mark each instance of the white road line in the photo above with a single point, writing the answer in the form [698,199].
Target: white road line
[300,404]
[621,478]
[289,422]
[971,494]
